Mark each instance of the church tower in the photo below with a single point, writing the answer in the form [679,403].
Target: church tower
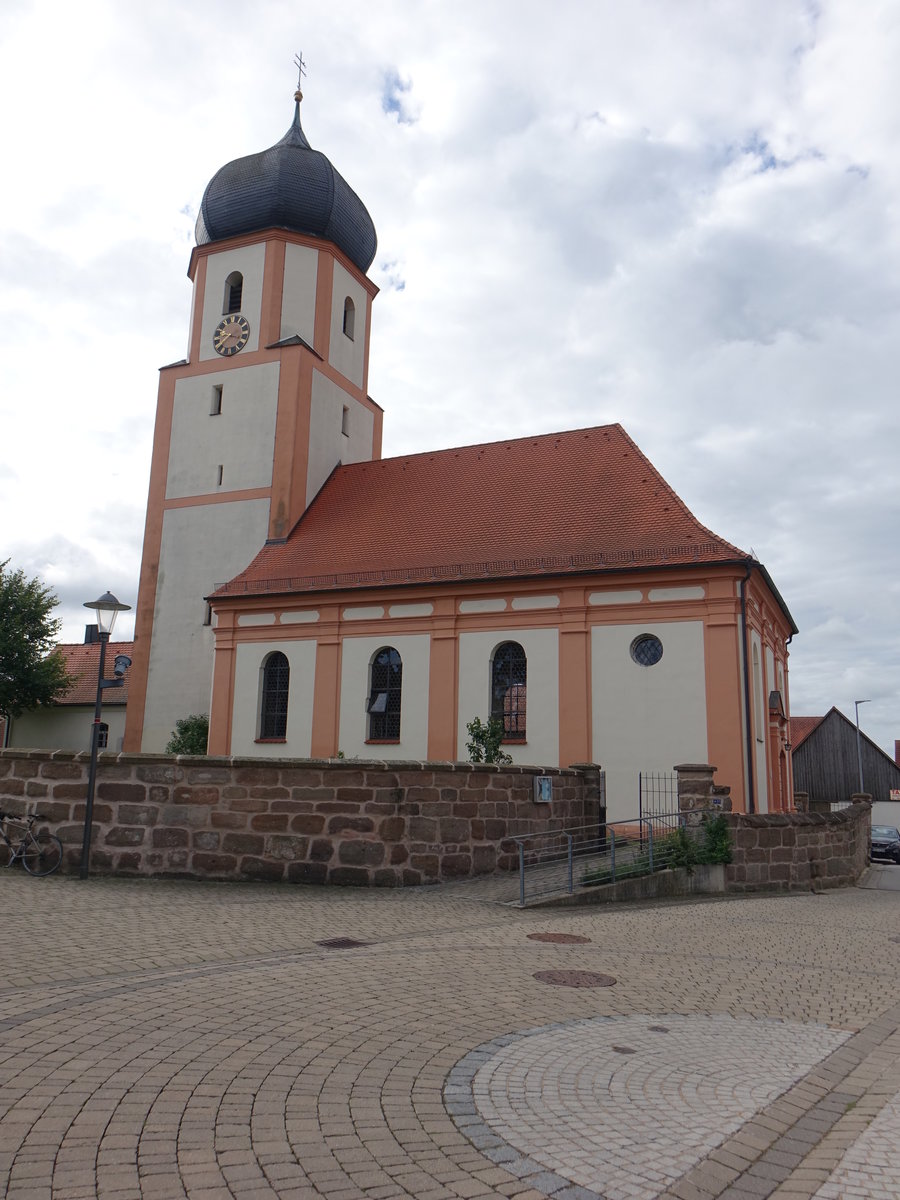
[270,399]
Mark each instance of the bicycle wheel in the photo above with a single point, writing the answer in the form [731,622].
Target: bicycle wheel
[42,854]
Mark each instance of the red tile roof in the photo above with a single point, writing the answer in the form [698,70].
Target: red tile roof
[802,727]
[583,500]
[82,661]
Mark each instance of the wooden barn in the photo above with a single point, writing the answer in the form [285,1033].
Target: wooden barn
[826,765]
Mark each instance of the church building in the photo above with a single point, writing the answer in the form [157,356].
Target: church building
[320,600]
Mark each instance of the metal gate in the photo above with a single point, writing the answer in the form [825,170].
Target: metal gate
[658,797]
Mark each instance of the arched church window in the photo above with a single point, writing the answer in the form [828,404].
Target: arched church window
[385,688]
[273,709]
[234,292]
[509,688]
[349,317]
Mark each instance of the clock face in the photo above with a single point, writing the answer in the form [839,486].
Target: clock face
[231,334]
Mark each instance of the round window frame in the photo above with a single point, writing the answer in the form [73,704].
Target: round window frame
[645,639]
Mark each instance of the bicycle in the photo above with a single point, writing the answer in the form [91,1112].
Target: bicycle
[40,853]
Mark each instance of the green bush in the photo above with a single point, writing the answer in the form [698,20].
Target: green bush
[191,735]
[485,740]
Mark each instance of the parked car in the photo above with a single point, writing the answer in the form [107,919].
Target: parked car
[885,843]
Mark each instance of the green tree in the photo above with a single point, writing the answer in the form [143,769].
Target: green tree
[32,672]
[191,735]
[485,740]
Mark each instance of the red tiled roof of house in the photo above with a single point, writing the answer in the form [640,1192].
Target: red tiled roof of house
[82,661]
[583,500]
[802,727]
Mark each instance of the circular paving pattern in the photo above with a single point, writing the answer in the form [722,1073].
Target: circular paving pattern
[623,1106]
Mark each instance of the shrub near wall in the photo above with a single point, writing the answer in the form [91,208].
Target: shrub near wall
[311,821]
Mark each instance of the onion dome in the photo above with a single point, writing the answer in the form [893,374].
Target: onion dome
[289,186]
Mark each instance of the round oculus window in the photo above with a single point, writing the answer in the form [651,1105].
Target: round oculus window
[646,650]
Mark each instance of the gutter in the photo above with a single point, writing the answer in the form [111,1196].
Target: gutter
[748,727]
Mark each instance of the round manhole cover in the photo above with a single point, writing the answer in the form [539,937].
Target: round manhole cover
[563,939]
[574,978]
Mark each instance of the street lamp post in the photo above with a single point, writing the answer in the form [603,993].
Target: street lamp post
[107,607]
[857,703]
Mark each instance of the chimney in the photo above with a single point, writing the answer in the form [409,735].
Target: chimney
[91,634]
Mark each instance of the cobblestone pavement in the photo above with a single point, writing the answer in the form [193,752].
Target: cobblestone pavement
[178,1040]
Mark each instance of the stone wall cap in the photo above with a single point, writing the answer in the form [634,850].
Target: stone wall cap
[694,767]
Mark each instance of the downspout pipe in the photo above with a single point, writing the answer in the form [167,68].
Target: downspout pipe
[748,725]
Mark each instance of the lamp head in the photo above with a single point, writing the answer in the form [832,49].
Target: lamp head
[106,607]
[122,663]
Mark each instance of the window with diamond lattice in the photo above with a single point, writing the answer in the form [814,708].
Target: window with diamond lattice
[509,671]
[383,705]
[276,678]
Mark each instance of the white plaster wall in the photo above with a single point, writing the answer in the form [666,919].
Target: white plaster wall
[646,718]
[298,301]
[241,438]
[249,659]
[67,727]
[202,546]
[327,444]
[346,355]
[249,260]
[356,658]
[541,648]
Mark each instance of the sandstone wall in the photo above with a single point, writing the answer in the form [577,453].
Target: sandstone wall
[798,851]
[359,823]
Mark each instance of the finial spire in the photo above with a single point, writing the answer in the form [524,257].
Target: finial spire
[301,71]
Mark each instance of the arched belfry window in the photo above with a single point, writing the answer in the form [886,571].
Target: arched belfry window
[509,688]
[234,293]
[385,687]
[349,317]
[273,709]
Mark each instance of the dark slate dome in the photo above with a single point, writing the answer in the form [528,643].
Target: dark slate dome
[289,186]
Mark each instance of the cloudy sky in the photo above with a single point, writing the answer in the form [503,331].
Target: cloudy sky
[682,216]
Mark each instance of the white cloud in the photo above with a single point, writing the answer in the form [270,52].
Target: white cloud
[679,217]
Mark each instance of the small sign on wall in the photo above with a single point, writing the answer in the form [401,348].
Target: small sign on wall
[543,789]
[895,793]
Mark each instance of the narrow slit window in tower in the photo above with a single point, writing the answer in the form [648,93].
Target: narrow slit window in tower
[345,421]
[234,289]
[216,406]
[220,473]
[349,317]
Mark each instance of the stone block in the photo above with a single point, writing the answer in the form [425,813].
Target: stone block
[128,861]
[301,778]
[166,773]
[241,843]
[241,804]
[423,829]
[269,822]
[307,873]
[125,835]
[348,877]
[231,792]
[214,864]
[391,829]
[207,775]
[411,878]
[353,795]
[63,770]
[138,814]
[495,830]
[227,820]
[361,853]
[205,839]
[36,789]
[183,794]
[385,877]
[287,849]
[262,869]
[256,776]
[321,850]
[338,825]
[427,864]
[102,813]
[484,859]
[454,831]
[269,793]
[121,793]
[186,814]
[314,794]
[169,838]
[309,823]
[456,866]
[398,854]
